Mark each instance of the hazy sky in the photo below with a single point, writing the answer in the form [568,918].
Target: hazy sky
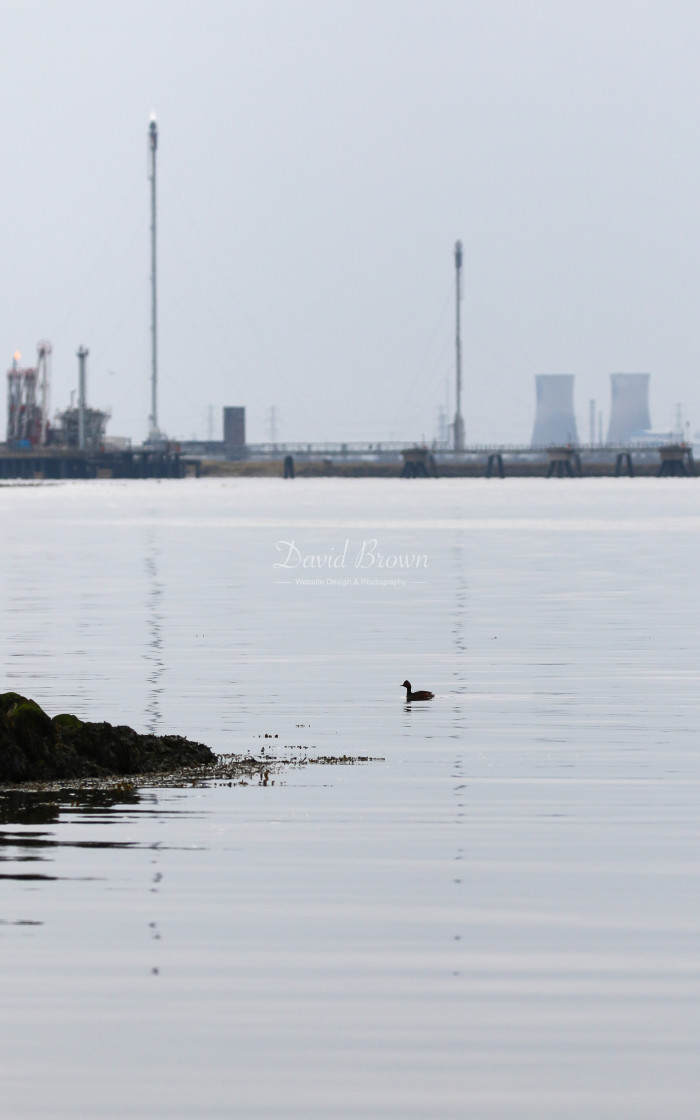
[317,161]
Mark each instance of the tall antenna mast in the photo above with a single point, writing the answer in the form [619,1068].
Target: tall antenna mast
[153,432]
[459,422]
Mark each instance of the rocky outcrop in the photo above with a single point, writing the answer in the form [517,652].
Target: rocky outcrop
[34,747]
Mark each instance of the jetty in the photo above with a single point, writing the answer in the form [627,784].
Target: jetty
[393,459]
[352,460]
[71,463]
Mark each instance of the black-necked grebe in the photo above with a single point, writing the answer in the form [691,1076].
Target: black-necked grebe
[416,695]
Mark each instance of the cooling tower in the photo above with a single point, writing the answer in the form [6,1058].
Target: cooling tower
[554,421]
[629,410]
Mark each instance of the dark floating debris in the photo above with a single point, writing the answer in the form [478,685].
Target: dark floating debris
[36,748]
[342,759]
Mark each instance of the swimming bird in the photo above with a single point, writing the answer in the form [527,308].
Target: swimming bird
[416,695]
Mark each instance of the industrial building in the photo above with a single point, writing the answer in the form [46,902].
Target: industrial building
[66,433]
[554,419]
[234,430]
[232,446]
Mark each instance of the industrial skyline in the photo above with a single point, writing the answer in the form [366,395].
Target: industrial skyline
[305,217]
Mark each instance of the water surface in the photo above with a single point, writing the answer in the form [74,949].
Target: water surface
[497,918]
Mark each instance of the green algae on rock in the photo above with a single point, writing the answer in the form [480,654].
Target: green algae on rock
[36,748]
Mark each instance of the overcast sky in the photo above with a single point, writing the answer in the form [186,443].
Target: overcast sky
[317,161]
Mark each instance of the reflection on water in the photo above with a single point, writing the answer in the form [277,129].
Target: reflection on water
[496,917]
[460,600]
[28,844]
[459,789]
[154,651]
[26,807]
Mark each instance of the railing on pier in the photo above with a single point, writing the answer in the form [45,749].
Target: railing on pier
[393,450]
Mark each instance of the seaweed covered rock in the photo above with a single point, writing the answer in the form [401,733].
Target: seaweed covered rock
[34,747]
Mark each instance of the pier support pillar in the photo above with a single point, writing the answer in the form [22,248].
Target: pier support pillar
[495,461]
[624,458]
[564,460]
[417,463]
[676,459]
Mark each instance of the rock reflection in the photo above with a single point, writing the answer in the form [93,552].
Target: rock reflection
[32,807]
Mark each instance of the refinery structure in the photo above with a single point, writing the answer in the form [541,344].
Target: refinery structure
[28,422]
[28,399]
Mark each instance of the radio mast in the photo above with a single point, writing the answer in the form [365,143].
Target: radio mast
[153,430]
[459,422]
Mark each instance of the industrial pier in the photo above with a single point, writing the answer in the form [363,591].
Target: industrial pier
[391,460]
[64,463]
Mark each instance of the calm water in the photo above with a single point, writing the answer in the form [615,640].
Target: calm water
[498,918]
